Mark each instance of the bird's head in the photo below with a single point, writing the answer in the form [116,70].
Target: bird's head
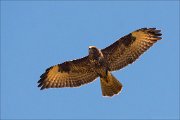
[93,50]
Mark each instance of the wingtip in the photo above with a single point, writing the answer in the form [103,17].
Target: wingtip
[39,81]
[40,85]
[155,32]
[42,88]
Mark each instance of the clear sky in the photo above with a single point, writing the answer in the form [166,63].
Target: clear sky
[37,35]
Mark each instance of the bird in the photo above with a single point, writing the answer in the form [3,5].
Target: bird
[101,63]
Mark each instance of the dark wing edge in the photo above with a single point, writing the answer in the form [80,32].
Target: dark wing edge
[68,74]
[128,48]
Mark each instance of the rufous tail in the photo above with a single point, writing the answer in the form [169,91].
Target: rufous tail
[110,85]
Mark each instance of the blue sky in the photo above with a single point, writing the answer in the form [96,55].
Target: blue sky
[37,35]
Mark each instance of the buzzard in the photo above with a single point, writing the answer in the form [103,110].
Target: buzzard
[100,63]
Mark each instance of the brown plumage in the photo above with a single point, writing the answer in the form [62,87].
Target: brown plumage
[99,63]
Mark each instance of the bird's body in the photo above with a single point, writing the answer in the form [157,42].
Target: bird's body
[97,61]
[100,63]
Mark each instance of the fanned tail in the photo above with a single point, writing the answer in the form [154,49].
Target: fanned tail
[110,85]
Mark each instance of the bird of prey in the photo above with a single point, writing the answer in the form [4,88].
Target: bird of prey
[100,63]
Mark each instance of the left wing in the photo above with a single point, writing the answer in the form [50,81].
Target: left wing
[128,48]
[68,74]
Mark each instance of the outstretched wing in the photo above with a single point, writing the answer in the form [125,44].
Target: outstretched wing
[68,74]
[128,48]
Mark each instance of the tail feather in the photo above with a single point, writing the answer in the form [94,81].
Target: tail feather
[110,85]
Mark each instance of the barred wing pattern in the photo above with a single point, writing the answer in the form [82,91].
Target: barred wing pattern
[68,74]
[128,48]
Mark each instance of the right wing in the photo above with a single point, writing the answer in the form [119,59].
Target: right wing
[128,48]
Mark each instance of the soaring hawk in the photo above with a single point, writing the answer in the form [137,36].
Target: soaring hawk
[100,63]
